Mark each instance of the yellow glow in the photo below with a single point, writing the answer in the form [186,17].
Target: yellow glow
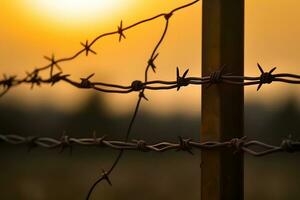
[33,28]
[72,11]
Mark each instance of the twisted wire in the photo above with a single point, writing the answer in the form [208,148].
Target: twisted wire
[237,145]
[140,86]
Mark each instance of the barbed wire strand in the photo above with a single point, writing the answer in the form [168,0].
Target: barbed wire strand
[138,86]
[237,145]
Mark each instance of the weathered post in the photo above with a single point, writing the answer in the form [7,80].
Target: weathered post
[222,104]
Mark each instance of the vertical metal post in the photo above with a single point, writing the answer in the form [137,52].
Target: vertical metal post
[222,105]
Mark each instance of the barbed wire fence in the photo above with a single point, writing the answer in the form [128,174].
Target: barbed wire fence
[238,145]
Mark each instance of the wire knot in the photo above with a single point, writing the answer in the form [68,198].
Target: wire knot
[141,145]
[86,83]
[238,143]
[58,77]
[65,142]
[168,16]
[265,77]
[181,80]
[216,77]
[31,142]
[184,145]
[137,85]
[99,141]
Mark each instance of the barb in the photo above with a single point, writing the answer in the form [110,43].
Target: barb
[237,145]
[121,32]
[87,48]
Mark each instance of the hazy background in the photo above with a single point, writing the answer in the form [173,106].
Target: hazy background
[30,30]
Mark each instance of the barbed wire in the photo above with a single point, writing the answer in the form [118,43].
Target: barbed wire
[241,145]
[34,77]
[137,85]
[238,144]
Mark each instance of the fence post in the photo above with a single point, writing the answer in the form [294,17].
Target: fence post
[222,105]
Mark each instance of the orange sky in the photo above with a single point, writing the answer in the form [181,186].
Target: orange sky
[30,30]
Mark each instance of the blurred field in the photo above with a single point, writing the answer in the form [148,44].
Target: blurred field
[46,174]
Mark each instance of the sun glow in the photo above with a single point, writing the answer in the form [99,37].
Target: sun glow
[73,11]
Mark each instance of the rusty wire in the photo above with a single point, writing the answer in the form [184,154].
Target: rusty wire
[237,145]
[138,86]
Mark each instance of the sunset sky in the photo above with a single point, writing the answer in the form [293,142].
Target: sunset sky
[31,29]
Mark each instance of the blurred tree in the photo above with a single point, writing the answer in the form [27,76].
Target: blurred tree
[92,116]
